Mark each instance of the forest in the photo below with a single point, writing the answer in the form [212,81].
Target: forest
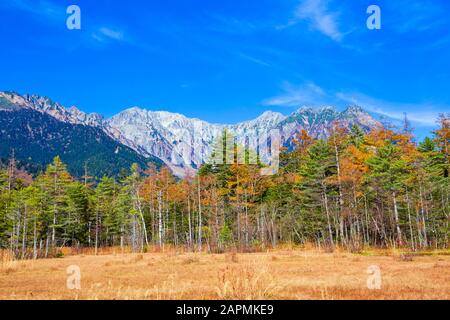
[352,190]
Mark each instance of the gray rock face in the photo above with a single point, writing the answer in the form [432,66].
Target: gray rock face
[185,143]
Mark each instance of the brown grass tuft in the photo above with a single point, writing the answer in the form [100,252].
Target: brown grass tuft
[246,283]
[139,258]
[232,257]
[405,257]
[190,260]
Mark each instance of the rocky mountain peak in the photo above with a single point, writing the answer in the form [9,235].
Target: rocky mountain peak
[185,143]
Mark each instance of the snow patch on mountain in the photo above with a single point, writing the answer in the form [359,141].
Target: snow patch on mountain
[186,143]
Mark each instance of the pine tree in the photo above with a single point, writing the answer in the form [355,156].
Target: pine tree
[56,180]
[388,174]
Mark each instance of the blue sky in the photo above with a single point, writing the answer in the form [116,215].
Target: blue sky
[228,61]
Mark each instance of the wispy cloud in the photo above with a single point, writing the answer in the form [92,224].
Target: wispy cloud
[416,16]
[310,94]
[319,17]
[254,59]
[106,34]
[38,8]
[295,96]
[54,13]
[231,25]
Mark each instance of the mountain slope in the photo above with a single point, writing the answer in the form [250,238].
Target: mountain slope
[182,143]
[37,137]
[319,121]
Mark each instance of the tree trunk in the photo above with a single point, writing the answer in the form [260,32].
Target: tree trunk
[190,222]
[24,232]
[341,197]
[330,232]
[200,226]
[413,244]
[246,222]
[122,231]
[54,213]
[397,220]
[96,231]
[35,238]
[422,217]
[141,215]
[160,222]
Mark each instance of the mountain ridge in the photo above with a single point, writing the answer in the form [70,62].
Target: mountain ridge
[34,135]
[184,143]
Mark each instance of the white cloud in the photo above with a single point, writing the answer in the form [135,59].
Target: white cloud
[104,34]
[295,96]
[112,34]
[319,17]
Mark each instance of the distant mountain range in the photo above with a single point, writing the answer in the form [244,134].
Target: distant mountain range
[38,129]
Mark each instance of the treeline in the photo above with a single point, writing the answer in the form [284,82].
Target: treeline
[352,189]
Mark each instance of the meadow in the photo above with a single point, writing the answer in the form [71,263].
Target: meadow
[286,273]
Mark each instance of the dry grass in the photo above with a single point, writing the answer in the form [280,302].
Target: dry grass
[248,282]
[290,273]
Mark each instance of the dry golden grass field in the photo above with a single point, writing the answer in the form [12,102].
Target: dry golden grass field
[282,274]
